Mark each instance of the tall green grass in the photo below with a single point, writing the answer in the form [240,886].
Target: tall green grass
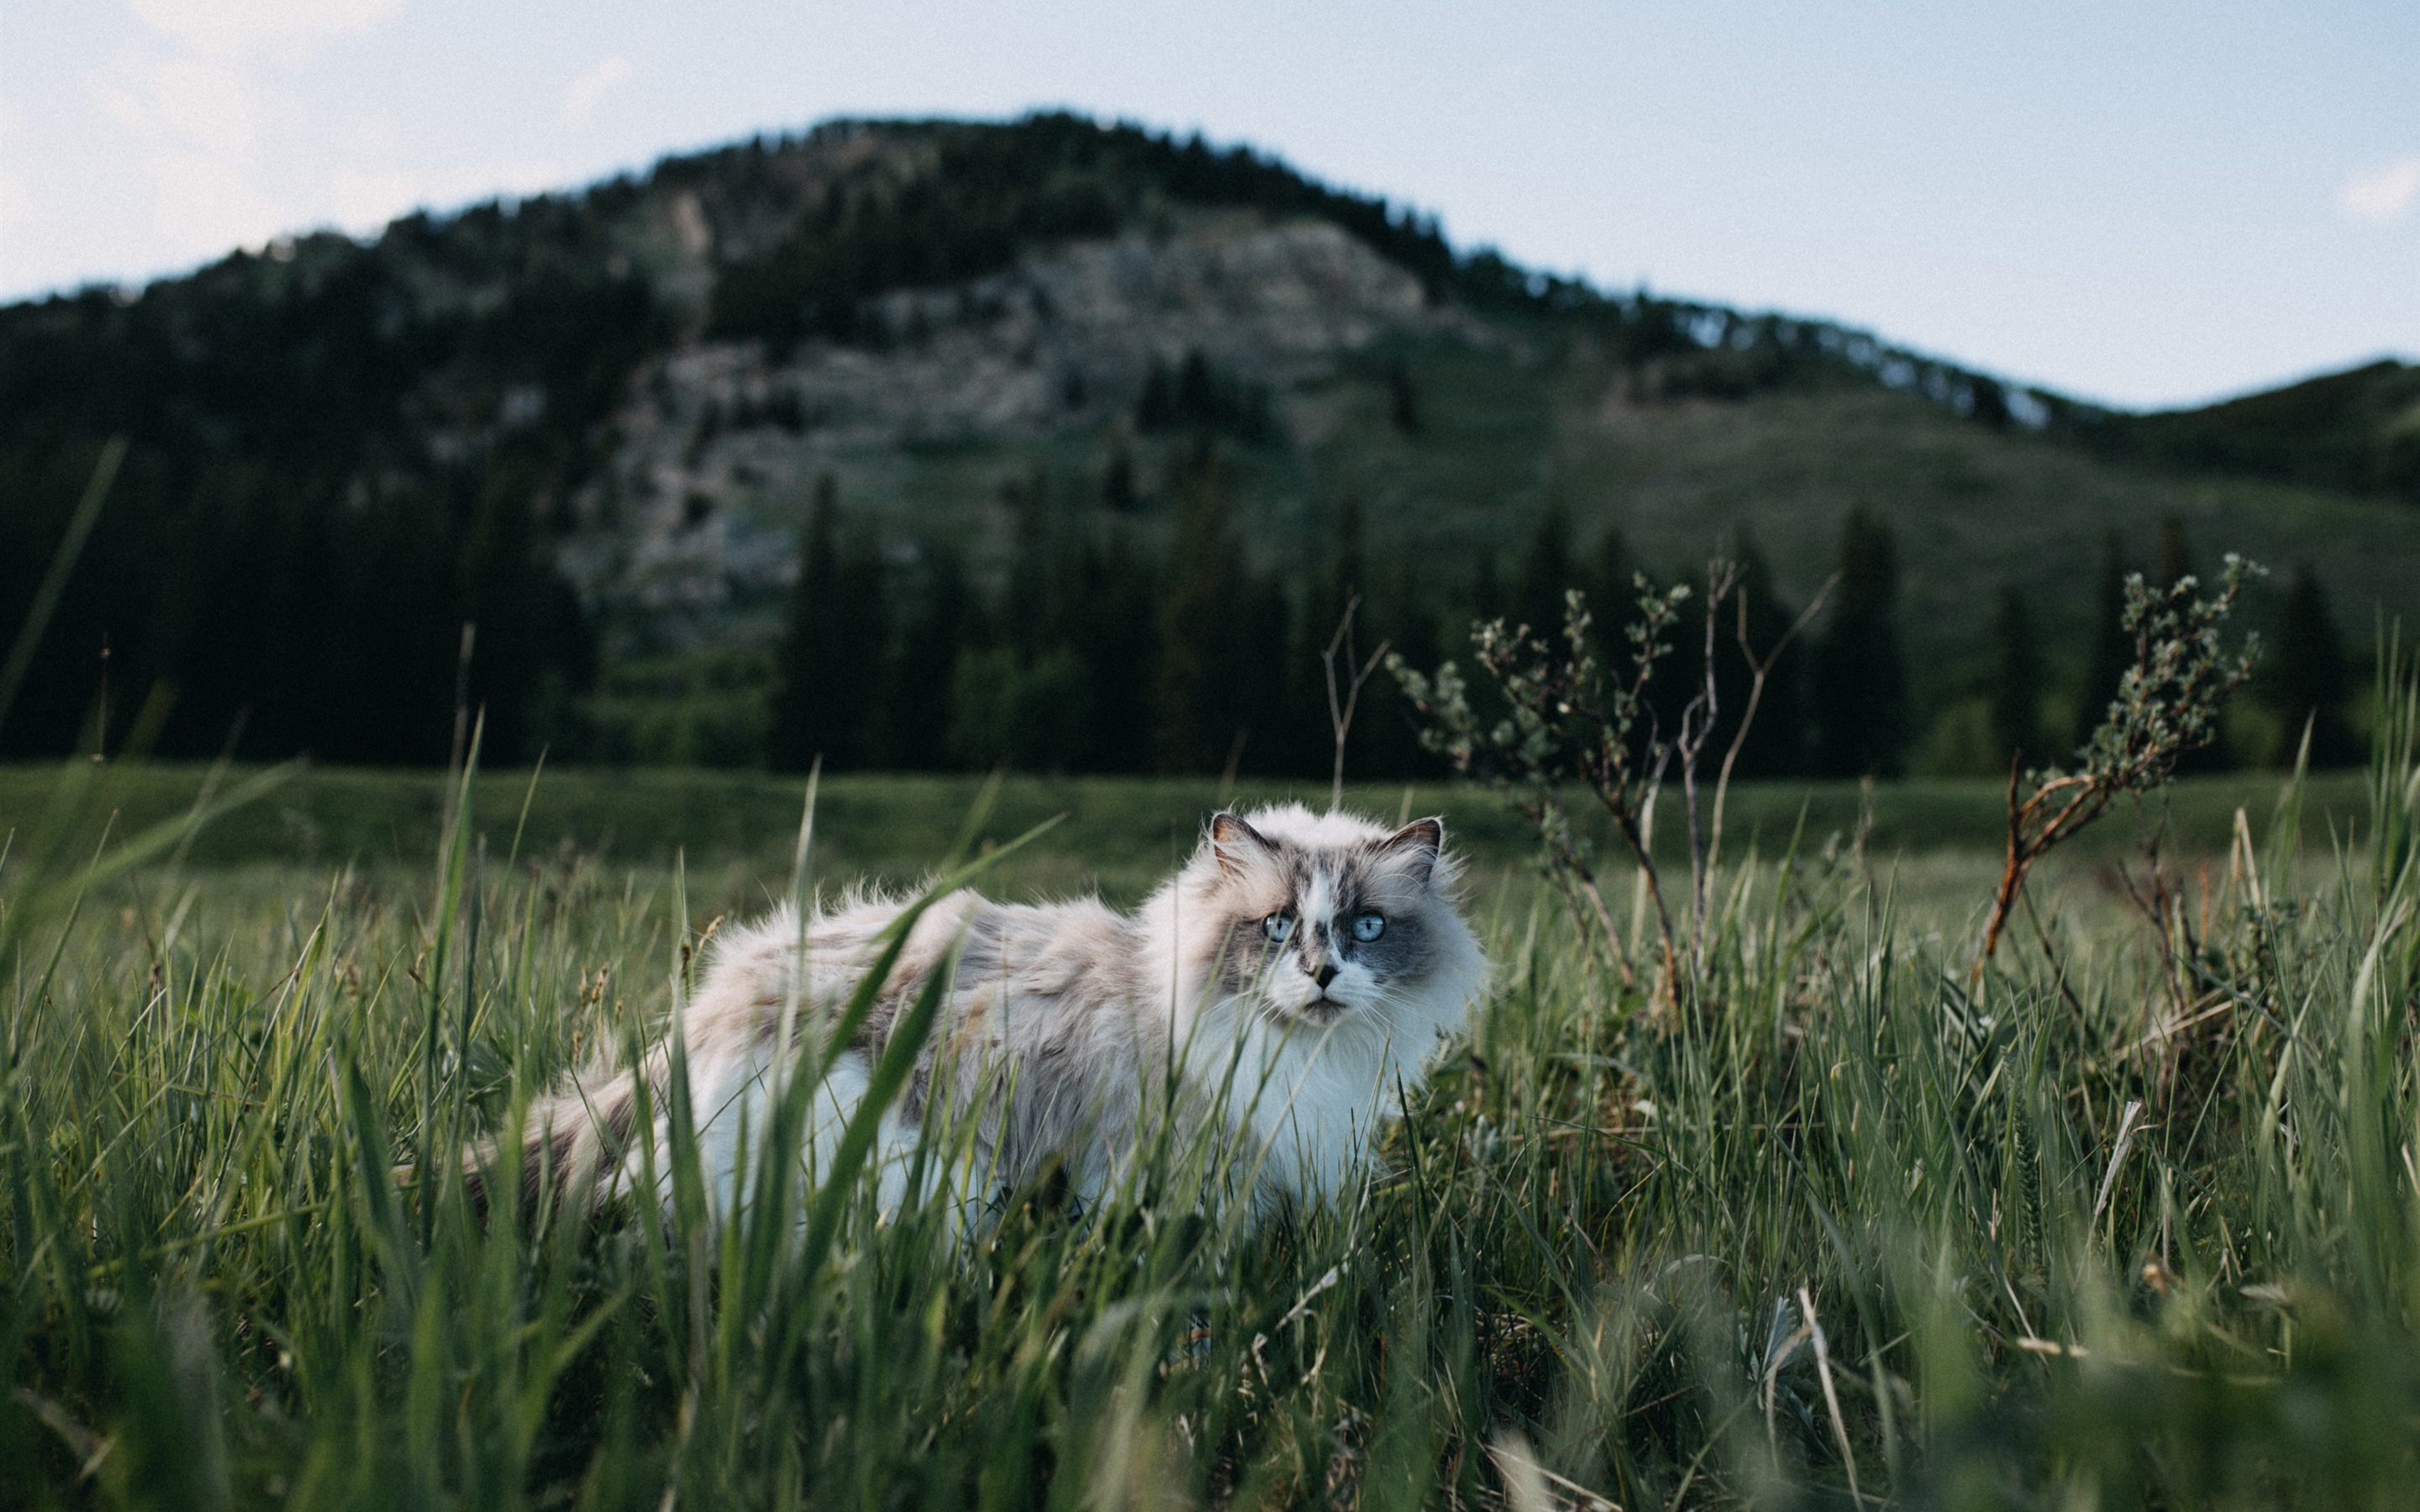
[2131,1222]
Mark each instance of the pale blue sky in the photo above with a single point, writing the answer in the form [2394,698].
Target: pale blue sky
[2143,203]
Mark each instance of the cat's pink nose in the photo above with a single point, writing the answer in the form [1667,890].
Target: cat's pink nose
[1326,974]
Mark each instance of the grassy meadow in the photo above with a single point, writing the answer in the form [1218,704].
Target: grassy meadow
[2126,1219]
[1117,836]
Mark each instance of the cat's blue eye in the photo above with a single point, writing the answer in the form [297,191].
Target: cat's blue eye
[1277,926]
[1368,927]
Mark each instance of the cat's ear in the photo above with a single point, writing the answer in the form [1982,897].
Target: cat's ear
[1236,843]
[1421,843]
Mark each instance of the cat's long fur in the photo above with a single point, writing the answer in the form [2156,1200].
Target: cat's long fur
[1065,1021]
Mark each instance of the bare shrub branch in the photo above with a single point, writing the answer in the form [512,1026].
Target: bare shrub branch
[1339,714]
[1760,673]
[1696,727]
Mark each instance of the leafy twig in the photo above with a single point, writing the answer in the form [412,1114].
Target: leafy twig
[1566,721]
[2167,704]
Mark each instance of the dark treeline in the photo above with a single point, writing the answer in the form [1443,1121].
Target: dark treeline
[244,609]
[1102,652]
[339,455]
[276,615]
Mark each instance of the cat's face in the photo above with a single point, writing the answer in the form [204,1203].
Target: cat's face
[1327,917]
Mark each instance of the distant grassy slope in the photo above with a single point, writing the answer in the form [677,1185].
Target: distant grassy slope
[1974,509]
[1120,835]
[2357,430]
[1543,415]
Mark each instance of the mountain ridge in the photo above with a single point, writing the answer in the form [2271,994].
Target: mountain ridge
[595,423]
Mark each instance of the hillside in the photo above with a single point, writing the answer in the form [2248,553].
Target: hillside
[2358,430]
[1051,377]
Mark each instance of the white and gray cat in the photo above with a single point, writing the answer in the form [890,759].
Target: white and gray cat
[1285,984]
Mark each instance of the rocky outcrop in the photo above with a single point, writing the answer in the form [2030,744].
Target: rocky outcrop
[720,441]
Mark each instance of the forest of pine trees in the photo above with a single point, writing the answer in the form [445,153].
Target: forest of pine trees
[1098,652]
[286,627]
[1859,678]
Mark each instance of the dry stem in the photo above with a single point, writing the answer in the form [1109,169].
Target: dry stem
[1340,715]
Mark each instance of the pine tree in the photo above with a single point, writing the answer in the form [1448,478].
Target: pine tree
[858,695]
[946,620]
[1057,717]
[515,602]
[835,652]
[1118,492]
[1347,571]
[2312,680]
[1403,398]
[1119,643]
[1486,593]
[1049,712]
[1259,646]
[2016,683]
[1609,581]
[1196,716]
[1777,738]
[1411,623]
[2111,650]
[2176,552]
[1156,410]
[1991,405]
[1546,574]
[1197,390]
[1027,613]
[1859,682]
[803,724]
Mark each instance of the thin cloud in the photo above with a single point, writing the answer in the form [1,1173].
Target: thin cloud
[194,95]
[220,28]
[16,204]
[367,201]
[205,101]
[193,125]
[208,203]
[2385,194]
[579,100]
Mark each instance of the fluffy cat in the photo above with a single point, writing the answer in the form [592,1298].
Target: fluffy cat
[1285,984]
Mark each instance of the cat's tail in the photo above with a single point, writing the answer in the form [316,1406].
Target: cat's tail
[572,1141]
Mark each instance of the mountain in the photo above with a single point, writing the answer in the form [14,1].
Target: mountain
[1044,374]
[2357,431]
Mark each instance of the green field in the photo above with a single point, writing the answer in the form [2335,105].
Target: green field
[1119,835]
[2130,1221]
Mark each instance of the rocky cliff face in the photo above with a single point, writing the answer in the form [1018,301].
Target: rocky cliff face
[720,441]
